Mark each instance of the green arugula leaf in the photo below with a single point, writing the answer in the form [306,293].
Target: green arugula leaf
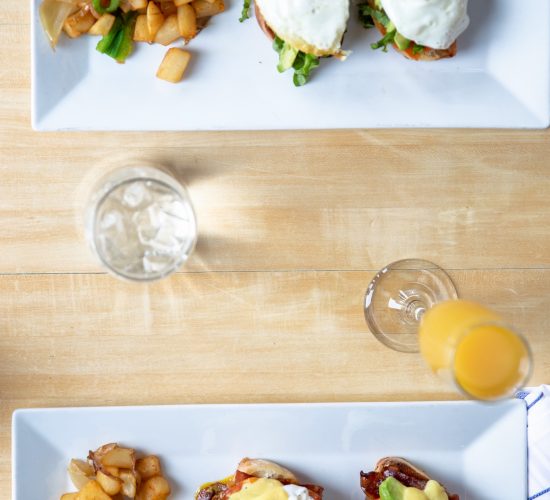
[303,65]
[245,14]
[384,42]
[278,45]
[301,62]
[379,15]
[365,19]
[368,14]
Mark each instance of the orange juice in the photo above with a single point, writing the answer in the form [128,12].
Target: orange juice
[469,342]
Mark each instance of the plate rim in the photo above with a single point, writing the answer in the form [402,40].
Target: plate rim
[20,413]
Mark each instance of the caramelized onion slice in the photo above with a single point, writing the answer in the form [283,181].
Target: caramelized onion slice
[53,13]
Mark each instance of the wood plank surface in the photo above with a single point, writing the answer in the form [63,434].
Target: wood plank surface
[293,226]
[262,206]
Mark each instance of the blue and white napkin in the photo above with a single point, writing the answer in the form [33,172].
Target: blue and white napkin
[537,400]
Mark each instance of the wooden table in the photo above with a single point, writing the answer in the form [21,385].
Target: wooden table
[293,226]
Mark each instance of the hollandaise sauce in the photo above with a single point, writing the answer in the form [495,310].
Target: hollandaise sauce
[270,489]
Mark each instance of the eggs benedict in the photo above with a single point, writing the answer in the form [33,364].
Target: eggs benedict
[420,29]
[258,479]
[395,478]
[302,31]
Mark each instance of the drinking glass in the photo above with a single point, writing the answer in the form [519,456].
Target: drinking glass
[140,223]
[412,305]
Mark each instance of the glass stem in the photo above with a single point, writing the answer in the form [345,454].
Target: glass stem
[415,310]
[411,307]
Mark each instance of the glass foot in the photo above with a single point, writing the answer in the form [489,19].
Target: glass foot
[398,296]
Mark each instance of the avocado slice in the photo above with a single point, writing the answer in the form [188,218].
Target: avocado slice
[401,42]
[389,26]
[391,489]
[287,56]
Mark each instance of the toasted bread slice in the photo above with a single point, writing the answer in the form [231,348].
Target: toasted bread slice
[258,467]
[261,21]
[427,54]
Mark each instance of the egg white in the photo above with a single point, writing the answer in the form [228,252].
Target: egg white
[432,23]
[313,26]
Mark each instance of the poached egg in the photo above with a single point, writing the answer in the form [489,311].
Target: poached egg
[312,26]
[270,489]
[432,23]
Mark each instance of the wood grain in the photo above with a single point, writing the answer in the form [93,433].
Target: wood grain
[292,227]
[266,207]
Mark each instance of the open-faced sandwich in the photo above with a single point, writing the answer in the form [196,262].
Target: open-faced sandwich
[395,478]
[261,479]
[302,31]
[423,30]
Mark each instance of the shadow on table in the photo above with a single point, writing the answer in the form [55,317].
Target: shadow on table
[480,14]
[208,254]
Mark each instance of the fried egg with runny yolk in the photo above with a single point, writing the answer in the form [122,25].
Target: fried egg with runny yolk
[432,23]
[312,26]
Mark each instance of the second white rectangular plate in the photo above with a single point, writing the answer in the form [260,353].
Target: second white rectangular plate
[478,451]
[499,78]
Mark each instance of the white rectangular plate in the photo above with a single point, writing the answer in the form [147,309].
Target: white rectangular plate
[476,450]
[500,78]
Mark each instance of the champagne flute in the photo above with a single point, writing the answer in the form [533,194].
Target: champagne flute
[412,305]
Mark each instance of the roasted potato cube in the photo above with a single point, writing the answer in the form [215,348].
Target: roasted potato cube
[167,7]
[187,21]
[80,472]
[79,23]
[173,65]
[148,467]
[155,19]
[110,485]
[204,8]
[179,3]
[138,4]
[123,458]
[103,25]
[96,456]
[155,488]
[69,496]
[169,32]
[141,31]
[129,483]
[70,31]
[92,491]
